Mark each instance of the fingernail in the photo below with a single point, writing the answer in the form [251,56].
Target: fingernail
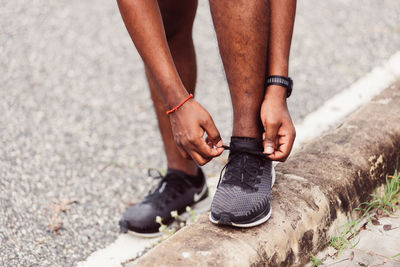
[219,144]
[269,150]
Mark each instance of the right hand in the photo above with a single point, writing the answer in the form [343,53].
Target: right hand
[189,123]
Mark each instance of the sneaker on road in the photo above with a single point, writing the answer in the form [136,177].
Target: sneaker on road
[242,196]
[175,191]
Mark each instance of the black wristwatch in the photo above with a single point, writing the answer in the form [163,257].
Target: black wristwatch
[286,82]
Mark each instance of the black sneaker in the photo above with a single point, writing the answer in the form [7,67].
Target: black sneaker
[175,191]
[242,196]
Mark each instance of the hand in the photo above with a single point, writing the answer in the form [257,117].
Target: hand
[189,123]
[279,129]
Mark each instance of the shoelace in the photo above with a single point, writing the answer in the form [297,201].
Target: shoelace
[242,177]
[168,188]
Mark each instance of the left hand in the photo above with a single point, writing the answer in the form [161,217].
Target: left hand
[279,129]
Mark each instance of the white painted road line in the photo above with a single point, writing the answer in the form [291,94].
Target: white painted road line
[127,247]
[345,102]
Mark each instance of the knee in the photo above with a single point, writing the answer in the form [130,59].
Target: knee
[178,16]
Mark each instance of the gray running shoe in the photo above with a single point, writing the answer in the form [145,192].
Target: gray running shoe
[242,196]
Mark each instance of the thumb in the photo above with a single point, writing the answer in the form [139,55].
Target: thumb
[270,138]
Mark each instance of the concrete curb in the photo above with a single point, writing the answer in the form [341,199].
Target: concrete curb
[315,191]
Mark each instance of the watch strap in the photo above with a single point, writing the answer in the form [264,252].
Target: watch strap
[286,82]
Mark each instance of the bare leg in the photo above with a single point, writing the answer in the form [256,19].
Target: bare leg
[178,19]
[242,33]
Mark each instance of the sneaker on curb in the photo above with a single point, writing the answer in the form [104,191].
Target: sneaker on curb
[175,191]
[242,196]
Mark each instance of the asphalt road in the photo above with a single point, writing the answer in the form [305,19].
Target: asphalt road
[77,130]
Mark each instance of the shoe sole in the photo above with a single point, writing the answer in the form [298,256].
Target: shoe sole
[143,235]
[203,195]
[247,225]
[241,225]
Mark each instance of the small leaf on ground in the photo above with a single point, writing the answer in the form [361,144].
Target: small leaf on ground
[375,222]
[387,227]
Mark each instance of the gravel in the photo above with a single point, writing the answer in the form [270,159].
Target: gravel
[77,129]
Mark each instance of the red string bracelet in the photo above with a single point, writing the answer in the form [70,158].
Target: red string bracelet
[179,105]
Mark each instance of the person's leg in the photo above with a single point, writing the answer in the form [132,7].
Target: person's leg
[187,183]
[242,32]
[178,19]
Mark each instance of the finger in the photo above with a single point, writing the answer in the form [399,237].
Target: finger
[210,143]
[200,160]
[291,138]
[277,156]
[200,146]
[271,131]
[212,132]
[284,147]
[279,153]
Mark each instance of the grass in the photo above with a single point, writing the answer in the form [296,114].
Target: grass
[339,243]
[180,222]
[315,261]
[390,199]
[386,203]
[350,230]
[395,256]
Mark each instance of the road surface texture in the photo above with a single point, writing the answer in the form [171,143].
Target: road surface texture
[77,129]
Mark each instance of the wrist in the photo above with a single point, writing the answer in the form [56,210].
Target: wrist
[171,90]
[276,93]
[175,96]
[179,105]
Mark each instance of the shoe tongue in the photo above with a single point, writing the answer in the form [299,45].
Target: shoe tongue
[249,143]
[174,172]
[179,175]
[171,179]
